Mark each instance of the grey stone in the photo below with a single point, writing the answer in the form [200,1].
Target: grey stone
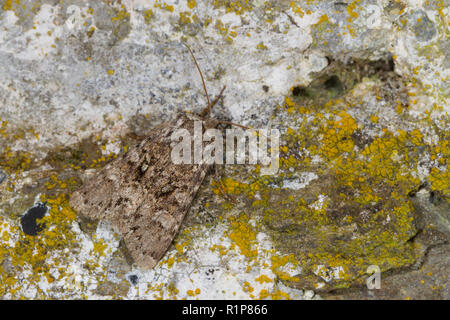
[436,4]
[421,25]
[444,45]
[3,176]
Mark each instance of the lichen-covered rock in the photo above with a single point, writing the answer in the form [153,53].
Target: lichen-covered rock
[421,25]
[357,89]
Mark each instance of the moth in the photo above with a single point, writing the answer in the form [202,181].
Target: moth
[142,193]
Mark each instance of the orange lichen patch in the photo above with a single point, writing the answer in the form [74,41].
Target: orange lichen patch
[99,246]
[323,18]
[289,102]
[163,5]
[230,186]
[220,248]
[10,5]
[121,15]
[440,181]
[187,18]
[337,136]
[3,124]
[261,46]
[263,279]
[247,287]
[180,247]
[224,30]
[243,236]
[280,261]
[352,10]
[190,293]
[416,137]
[237,6]
[191,4]
[54,182]
[298,10]
[16,161]
[263,294]
[172,291]
[148,15]
[33,252]
[170,262]
[374,119]
[280,295]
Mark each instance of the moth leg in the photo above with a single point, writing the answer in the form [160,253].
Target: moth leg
[221,187]
[207,110]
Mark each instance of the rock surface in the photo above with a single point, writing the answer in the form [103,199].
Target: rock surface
[358,90]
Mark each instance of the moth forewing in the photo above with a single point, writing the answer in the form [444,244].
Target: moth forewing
[143,194]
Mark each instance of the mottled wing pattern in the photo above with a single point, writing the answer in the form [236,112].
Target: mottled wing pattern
[143,194]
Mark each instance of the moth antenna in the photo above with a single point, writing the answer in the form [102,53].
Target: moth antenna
[200,71]
[237,125]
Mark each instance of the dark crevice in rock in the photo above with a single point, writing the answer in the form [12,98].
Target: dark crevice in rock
[299,91]
[333,83]
[338,78]
[29,222]
[413,193]
[134,279]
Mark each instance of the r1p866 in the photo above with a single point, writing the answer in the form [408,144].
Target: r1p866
[246,309]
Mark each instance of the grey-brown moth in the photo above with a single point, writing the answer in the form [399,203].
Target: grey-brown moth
[142,193]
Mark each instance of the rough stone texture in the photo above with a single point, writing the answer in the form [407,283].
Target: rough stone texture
[430,281]
[357,89]
[421,25]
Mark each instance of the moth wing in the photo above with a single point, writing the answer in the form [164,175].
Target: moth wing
[157,221]
[116,186]
[144,194]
